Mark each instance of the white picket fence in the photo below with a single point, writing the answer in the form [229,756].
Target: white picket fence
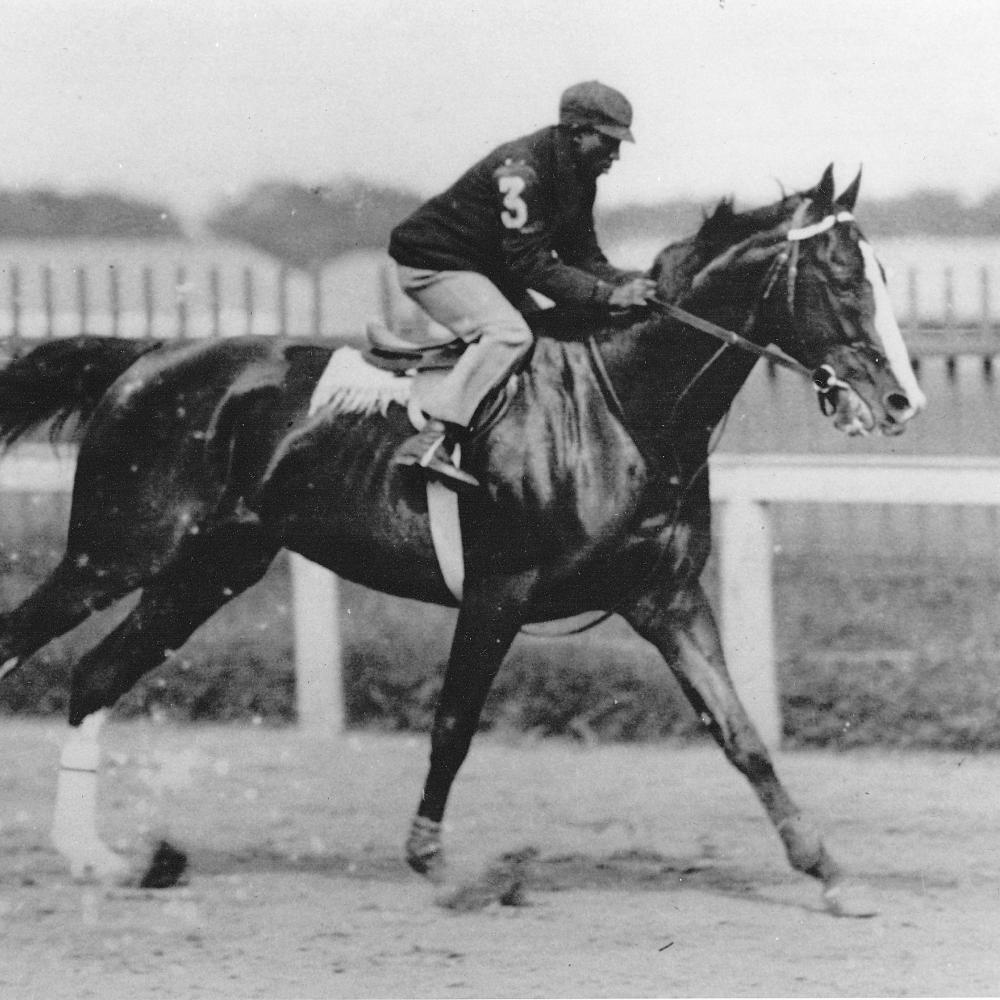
[743,487]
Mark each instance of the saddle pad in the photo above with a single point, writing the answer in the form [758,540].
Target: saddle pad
[349,384]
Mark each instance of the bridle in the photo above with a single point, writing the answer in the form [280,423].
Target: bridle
[824,379]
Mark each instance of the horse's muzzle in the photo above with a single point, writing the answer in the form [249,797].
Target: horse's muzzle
[851,414]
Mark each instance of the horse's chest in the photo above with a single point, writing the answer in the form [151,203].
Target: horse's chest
[569,471]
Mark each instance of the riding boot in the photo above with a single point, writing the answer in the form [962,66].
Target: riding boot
[431,449]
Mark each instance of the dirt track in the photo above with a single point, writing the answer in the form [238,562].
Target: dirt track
[657,874]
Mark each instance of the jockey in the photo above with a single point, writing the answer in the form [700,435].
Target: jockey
[519,219]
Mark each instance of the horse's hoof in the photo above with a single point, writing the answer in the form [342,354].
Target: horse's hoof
[431,866]
[165,869]
[424,851]
[849,899]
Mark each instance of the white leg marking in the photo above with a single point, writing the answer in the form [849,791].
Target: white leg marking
[888,330]
[74,826]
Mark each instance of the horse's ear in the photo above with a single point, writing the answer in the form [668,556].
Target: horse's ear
[850,195]
[823,192]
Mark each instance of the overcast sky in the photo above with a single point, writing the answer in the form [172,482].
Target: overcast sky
[188,100]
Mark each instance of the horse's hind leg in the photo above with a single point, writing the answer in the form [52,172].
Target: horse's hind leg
[73,590]
[74,823]
[211,570]
[682,626]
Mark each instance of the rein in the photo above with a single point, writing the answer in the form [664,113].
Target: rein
[823,379]
[729,337]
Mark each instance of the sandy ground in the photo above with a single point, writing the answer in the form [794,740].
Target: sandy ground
[656,872]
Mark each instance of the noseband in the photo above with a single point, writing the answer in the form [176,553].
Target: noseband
[824,379]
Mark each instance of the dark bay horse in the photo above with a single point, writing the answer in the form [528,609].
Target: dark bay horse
[198,462]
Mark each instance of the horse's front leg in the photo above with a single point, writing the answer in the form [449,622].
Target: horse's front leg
[683,628]
[491,614]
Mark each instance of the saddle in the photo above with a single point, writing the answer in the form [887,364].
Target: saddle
[391,352]
[401,359]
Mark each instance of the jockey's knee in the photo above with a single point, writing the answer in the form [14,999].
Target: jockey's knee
[510,333]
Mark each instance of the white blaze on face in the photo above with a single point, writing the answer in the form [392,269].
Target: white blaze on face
[887,330]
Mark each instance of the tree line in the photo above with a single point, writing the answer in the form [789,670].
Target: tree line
[305,226]
[43,213]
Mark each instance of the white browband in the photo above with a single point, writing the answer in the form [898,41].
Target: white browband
[803,233]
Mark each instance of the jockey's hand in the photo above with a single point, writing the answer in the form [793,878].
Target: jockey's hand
[632,293]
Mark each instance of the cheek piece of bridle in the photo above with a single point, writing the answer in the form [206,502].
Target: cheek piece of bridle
[824,379]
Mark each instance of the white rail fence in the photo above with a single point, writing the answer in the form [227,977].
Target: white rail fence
[746,485]
[743,487]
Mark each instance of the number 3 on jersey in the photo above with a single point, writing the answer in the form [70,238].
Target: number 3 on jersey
[515,213]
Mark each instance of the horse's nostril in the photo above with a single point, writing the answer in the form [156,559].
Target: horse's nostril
[897,402]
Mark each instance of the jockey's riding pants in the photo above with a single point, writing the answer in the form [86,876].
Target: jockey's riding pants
[476,311]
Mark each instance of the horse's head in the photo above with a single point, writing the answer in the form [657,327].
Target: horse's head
[835,316]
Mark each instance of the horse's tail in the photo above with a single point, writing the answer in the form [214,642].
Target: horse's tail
[61,379]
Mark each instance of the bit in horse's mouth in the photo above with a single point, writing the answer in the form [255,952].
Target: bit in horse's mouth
[854,416]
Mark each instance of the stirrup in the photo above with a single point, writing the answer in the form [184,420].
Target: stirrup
[428,450]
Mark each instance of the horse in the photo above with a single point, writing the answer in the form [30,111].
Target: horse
[199,461]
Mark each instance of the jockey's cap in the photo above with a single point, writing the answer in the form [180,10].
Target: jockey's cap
[597,106]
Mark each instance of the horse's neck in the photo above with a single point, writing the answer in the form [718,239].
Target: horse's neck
[673,384]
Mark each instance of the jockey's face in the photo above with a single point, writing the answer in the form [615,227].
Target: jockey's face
[596,152]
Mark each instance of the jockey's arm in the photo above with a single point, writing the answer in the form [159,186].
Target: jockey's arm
[528,247]
[540,268]
[589,257]
[536,265]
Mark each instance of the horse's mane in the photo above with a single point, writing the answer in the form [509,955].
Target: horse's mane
[677,264]
[725,226]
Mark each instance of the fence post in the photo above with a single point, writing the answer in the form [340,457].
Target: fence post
[248,299]
[48,301]
[319,697]
[317,300]
[747,612]
[283,300]
[387,285]
[215,300]
[15,303]
[912,299]
[181,291]
[148,300]
[82,298]
[986,318]
[114,300]
[951,362]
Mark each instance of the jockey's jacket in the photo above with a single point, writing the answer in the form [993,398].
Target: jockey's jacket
[523,217]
